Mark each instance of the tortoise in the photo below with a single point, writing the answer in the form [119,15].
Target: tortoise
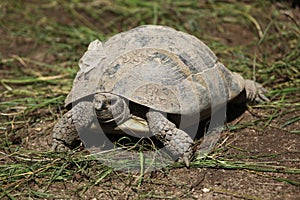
[156,69]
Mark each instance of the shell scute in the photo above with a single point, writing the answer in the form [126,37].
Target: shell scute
[157,67]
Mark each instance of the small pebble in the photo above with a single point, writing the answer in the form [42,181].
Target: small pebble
[205,190]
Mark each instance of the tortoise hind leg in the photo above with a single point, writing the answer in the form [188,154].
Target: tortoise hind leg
[178,142]
[65,132]
[255,92]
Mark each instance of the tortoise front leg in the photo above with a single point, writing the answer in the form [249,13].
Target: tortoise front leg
[178,142]
[108,108]
[65,131]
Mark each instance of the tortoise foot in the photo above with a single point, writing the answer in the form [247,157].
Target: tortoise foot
[177,142]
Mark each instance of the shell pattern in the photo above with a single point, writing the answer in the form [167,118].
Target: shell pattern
[158,67]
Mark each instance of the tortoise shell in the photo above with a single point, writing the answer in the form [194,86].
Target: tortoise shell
[158,67]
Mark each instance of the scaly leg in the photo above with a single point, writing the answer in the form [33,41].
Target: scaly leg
[178,142]
[108,108]
[65,131]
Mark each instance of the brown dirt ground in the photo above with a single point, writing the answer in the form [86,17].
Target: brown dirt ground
[193,183]
[183,183]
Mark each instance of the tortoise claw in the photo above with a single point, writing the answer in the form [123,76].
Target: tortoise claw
[255,92]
